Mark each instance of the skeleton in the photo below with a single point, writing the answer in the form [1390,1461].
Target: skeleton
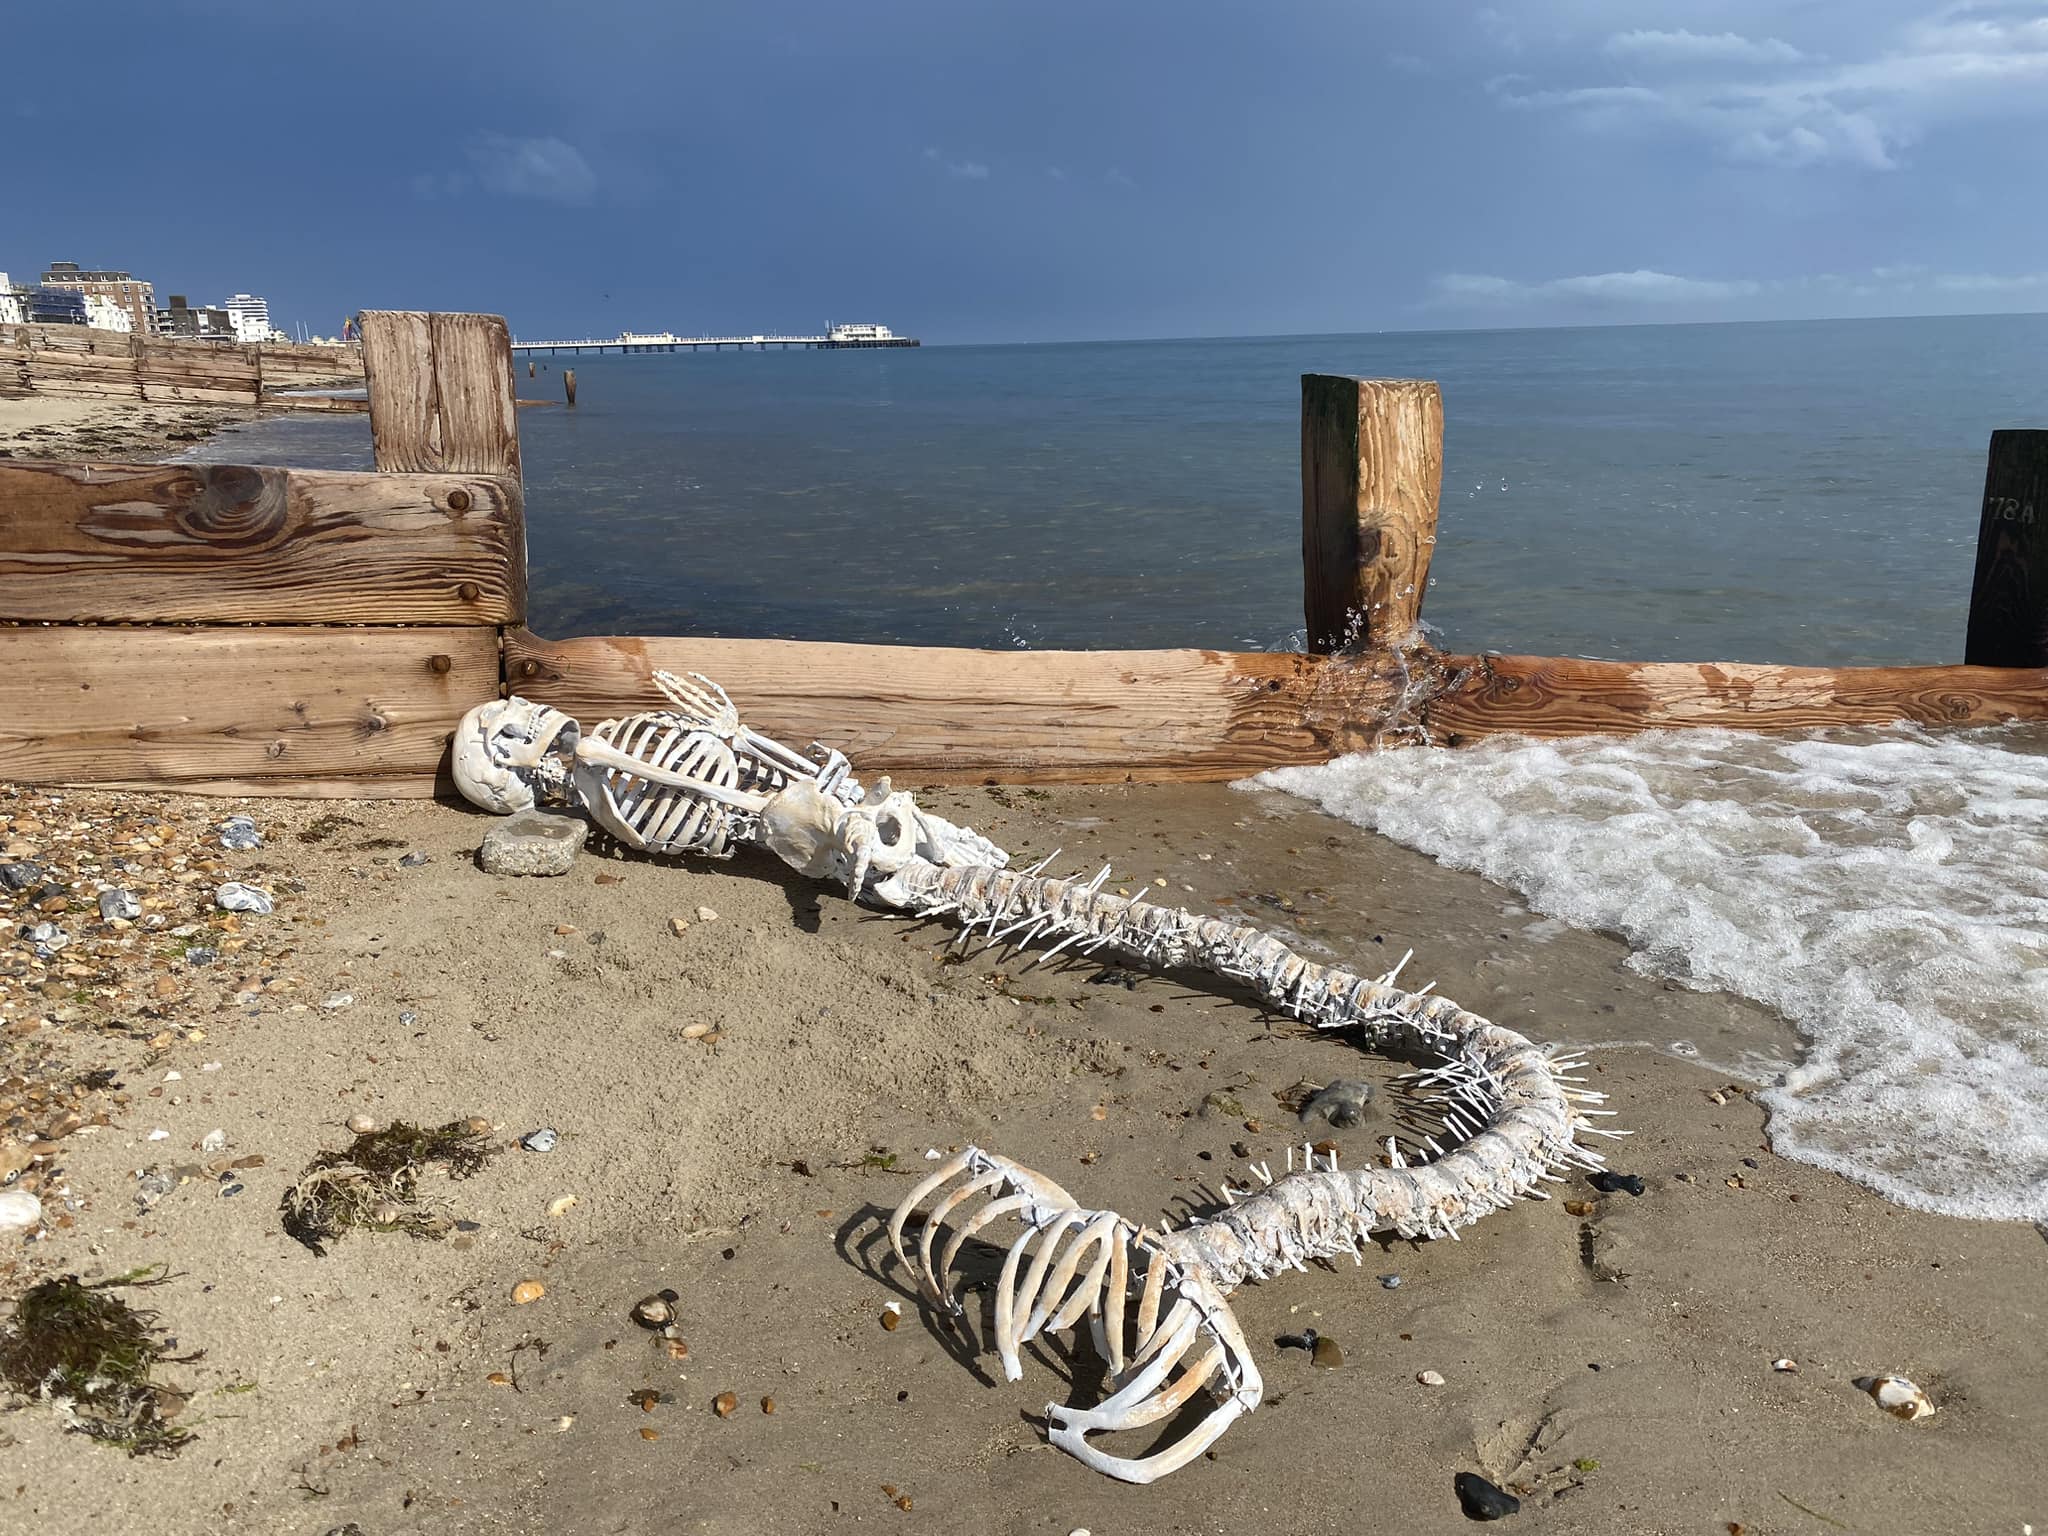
[1511,1115]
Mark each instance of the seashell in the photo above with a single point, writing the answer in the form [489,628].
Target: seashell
[526,1291]
[559,1206]
[362,1125]
[1897,1396]
[1789,1366]
[19,1210]
[1430,1378]
[725,1405]
[656,1311]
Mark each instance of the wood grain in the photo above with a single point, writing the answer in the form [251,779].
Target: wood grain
[2009,597]
[955,716]
[441,393]
[1553,696]
[230,544]
[1371,471]
[274,711]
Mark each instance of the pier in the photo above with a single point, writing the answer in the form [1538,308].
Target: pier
[667,343]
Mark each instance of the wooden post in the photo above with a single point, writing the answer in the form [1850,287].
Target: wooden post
[441,397]
[1372,463]
[2009,598]
[569,384]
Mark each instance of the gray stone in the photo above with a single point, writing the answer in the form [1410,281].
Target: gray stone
[119,906]
[21,874]
[533,843]
[239,834]
[237,897]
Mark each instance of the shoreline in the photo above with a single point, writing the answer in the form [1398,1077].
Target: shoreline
[1612,1362]
[110,430]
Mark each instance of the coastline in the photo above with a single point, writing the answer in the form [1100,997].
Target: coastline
[1614,1363]
[108,430]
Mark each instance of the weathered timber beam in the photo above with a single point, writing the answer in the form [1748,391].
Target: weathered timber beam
[295,712]
[441,393]
[958,716]
[2009,597]
[955,716]
[155,543]
[1556,696]
[1372,461]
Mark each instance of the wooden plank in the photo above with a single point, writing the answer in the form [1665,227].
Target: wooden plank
[1372,460]
[196,542]
[271,711]
[1473,696]
[955,716]
[951,716]
[2009,598]
[441,393]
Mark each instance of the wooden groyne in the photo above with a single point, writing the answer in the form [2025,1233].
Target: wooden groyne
[77,362]
[225,629]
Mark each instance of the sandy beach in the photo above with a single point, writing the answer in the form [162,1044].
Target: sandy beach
[739,1104]
[50,427]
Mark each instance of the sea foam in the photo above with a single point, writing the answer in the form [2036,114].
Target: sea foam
[1887,892]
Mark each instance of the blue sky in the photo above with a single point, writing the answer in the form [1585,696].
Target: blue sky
[1051,169]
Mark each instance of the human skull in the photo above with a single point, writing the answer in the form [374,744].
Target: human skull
[510,753]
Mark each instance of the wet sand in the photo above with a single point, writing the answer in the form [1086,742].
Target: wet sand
[1613,1365]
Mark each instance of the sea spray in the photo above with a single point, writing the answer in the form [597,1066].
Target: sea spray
[1887,892]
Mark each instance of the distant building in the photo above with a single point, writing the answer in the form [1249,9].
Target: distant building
[202,324]
[45,305]
[11,312]
[103,314]
[130,292]
[250,317]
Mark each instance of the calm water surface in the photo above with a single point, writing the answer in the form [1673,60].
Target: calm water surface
[1782,492]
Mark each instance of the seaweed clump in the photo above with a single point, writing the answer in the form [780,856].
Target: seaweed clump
[374,1182]
[86,1350]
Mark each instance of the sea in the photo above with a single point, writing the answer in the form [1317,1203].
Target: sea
[1796,492]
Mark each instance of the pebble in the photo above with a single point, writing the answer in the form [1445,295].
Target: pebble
[656,1311]
[706,915]
[679,926]
[767,1405]
[526,1291]
[21,874]
[414,859]
[119,906]
[19,1210]
[1609,1182]
[239,834]
[1391,1282]
[408,1019]
[338,1000]
[1326,1354]
[201,954]
[362,1125]
[1430,1378]
[1342,1104]
[559,1206]
[725,1405]
[215,1140]
[229,1191]
[1789,1367]
[237,897]
[1481,1500]
[533,843]
[47,938]
[1897,1396]
[892,1316]
[542,1140]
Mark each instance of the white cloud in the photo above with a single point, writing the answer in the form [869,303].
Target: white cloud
[1683,47]
[959,170]
[1468,290]
[1407,64]
[545,168]
[1767,103]
[1902,284]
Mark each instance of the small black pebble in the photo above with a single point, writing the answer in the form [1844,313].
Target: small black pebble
[1611,1183]
[1481,1500]
[1750,1162]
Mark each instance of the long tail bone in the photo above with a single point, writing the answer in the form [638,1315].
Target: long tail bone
[1511,1120]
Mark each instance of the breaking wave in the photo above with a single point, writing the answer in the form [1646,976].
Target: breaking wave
[1886,892]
